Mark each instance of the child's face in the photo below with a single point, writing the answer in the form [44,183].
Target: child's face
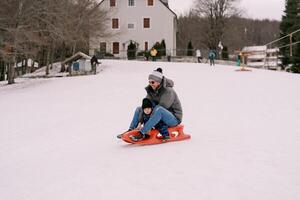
[147,111]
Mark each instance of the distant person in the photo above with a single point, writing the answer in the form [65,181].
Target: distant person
[94,63]
[153,54]
[211,57]
[198,55]
[238,61]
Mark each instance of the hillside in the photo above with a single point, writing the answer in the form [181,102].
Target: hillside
[58,136]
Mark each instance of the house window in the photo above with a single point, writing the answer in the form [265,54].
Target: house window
[146,46]
[102,47]
[150,2]
[130,2]
[130,26]
[112,3]
[146,22]
[115,23]
[116,48]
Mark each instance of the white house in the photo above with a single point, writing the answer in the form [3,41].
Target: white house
[144,22]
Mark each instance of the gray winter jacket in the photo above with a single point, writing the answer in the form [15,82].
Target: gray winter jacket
[166,97]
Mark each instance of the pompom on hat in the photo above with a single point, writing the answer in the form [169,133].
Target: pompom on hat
[156,75]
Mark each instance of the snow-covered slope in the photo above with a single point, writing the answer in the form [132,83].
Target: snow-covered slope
[57,136]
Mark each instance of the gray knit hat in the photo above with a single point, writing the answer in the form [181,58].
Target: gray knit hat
[156,76]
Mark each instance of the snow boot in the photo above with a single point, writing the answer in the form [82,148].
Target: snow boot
[165,138]
[139,137]
[120,135]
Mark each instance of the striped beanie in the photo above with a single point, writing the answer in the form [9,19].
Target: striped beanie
[156,76]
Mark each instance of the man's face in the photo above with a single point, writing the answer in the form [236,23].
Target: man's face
[154,84]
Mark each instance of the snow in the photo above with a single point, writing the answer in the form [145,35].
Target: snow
[41,72]
[58,136]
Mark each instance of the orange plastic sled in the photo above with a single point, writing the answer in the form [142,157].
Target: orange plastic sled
[176,134]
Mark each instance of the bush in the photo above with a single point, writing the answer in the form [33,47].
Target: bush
[109,55]
[163,48]
[190,49]
[141,53]
[131,51]
[225,55]
[145,54]
[295,69]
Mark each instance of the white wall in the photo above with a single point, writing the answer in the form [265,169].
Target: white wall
[161,25]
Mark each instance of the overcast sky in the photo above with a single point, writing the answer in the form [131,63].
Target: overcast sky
[271,9]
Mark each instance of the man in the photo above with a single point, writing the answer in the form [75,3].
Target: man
[94,63]
[168,110]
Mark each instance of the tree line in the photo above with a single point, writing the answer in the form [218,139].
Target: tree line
[215,21]
[46,30]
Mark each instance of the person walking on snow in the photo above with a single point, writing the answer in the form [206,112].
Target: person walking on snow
[211,57]
[168,107]
[198,55]
[153,53]
[94,63]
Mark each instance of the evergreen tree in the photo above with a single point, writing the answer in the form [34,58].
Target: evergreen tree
[131,51]
[296,58]
[2,70]
[190,49]
[225,55]
[290,23]
[163,48]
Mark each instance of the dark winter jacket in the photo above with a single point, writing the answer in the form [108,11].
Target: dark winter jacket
[211,55]
[94,60]
[166,97]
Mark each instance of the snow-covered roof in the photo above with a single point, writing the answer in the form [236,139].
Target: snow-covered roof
[254,48]
[256,57]
[164,2]
[272,64]
[272,57]
[275,50]
[77,56]
[255,64]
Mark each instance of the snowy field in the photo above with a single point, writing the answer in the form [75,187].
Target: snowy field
[58,136]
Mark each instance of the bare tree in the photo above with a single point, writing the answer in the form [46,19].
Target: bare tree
[239,32]
[15,26]
[216,14]
[191,28]
[41,28]
[84,20]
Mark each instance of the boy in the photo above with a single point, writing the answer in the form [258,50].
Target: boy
[147,108]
